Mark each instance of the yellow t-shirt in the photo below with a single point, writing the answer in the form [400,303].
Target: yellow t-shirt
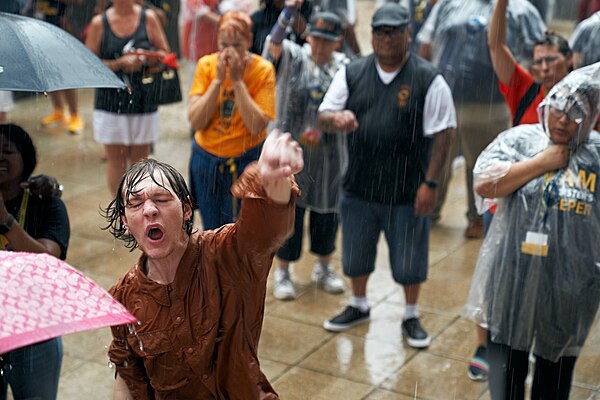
[226,135]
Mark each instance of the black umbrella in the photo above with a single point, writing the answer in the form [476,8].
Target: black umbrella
[36,56]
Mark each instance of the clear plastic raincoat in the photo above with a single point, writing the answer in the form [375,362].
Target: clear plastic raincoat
[301,85]
[527,290]
[457,32]
[586,39]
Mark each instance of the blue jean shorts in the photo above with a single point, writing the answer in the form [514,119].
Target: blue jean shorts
[32,371]
[210,184]
[407,236]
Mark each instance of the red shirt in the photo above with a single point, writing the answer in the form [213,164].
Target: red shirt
[520,81]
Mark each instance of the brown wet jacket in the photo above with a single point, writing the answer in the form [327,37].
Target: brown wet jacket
[198,337]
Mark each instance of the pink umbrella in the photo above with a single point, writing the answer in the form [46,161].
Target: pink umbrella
[42,297]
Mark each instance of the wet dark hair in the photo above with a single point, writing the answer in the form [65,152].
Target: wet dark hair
[24,145]
[131,178]
[553,39]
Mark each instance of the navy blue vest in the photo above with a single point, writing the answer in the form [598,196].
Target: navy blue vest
[388,154]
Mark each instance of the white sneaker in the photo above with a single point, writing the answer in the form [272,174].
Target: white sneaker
[284,288]
[326,278]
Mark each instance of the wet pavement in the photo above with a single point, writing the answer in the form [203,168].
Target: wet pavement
[302,360]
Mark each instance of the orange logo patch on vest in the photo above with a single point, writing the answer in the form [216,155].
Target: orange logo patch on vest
[403,96]
[323,25]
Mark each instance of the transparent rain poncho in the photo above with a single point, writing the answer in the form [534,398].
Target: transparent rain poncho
[457,32]
[586,39]
[545,301]
[301,85]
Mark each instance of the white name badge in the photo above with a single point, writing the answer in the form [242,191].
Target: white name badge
[535,244]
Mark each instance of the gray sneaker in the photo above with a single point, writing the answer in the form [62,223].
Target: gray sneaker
[326,278]
[284,288]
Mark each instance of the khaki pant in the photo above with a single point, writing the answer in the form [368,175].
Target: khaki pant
[478,124]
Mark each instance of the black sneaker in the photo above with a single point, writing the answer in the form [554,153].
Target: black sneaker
[414,334]
[479,367]
[348,318]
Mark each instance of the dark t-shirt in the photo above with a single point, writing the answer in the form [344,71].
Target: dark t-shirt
[263,21]
[50,11]
[44,220]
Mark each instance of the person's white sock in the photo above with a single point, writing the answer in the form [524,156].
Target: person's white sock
[411,311]
[360,302]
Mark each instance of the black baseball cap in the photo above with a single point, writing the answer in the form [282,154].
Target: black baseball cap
[326,25]
[390,14]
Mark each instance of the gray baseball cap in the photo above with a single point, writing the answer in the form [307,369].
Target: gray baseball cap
[390,14]
[326,25]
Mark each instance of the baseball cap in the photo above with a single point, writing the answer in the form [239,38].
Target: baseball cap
[390,14]
[326,25]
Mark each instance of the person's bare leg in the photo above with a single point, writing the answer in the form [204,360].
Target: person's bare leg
[411,293]
[324,260]
[116,164]
[71,97]
[283,265]
[75,122]
[359,285]
[57,115]
[3,118]
[481,336]
[137,152]
[57,99]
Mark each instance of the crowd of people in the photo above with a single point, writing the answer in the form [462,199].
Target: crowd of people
[291,123]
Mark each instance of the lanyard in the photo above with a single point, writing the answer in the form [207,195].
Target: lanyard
[22,212]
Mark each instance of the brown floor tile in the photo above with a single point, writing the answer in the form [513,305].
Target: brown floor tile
[434,377]
[88,381]
[273,369]
[457,341]
[312,307]
[587,370]
[579,393]
[287,341]
[386,395]
[301,384]
[444,296]
[356,359]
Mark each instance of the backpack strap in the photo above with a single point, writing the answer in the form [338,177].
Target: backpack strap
[526,101]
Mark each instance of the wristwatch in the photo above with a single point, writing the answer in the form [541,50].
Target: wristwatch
[431,184]
[7,225]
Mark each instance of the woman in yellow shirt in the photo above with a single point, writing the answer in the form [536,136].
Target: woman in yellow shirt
[232,100]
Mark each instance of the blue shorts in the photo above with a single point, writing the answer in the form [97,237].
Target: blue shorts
[407,236]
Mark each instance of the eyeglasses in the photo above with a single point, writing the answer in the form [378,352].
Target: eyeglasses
[549,60]
[574,114]
[393,33]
